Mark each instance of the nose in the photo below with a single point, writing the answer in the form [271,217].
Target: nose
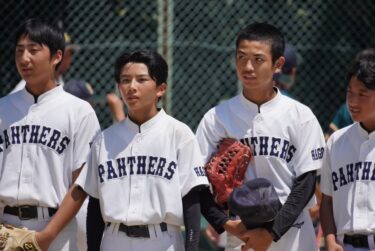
[132,85]
[352,99]
[24,58]
[249,65]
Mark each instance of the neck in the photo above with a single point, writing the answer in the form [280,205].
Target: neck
[37,90]
[260,97]
[140,117]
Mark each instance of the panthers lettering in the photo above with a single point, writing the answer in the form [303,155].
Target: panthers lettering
[353,172]
[35,134]
[145,165]
[270,146]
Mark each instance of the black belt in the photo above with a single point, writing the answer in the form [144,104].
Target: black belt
[139,231]
[27,212]
[357,240]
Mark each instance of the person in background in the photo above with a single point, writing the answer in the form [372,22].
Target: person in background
[285,79]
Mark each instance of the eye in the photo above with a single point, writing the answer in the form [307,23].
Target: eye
[240,56]
[124,81]
[259,60]
[143,80]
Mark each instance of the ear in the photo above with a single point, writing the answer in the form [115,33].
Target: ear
[161,89]
[279,64]
[57,57]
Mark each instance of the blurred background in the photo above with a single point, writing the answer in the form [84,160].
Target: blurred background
[197,39]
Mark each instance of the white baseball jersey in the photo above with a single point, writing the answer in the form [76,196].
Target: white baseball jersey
[286,140]
[41,143]
[348,175]
[141,173]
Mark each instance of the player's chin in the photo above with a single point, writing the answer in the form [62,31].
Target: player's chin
[357,117]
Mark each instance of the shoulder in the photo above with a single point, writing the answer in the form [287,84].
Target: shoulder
[12,98]
[343,134]
[177,126]
[74,103]
[297,110]
[224,108]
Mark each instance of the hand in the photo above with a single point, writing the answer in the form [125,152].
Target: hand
[235,227]
[258,239]
[116,107]
[212,234]
[332,245]
[314,213]
[44,240]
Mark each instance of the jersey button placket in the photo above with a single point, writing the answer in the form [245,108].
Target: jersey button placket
[258,124]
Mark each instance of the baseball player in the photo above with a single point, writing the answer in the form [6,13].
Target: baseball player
[348,176]
[146,170]
[285,137]
[45,136]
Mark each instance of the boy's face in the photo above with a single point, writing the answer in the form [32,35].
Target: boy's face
[361,103]
[254,64]
[34,62]
[138,90]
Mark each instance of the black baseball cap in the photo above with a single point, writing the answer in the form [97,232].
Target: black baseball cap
[79,88]
[255,202]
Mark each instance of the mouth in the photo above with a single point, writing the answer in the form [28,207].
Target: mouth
[248,76]
[131,98]
[354,111]
[26,71]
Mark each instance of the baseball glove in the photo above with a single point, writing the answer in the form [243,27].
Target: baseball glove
[17,239]
[226,168]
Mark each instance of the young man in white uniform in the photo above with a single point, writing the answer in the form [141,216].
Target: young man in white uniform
[45,136]
[145,169]
[285,137]
[348,178]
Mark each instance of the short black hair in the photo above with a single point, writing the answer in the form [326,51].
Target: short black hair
[156,65]
[42,33]
[364,69]
[264,32]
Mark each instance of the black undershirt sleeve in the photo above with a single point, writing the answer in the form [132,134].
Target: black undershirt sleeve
[301,193]
[94,225]
[192,214]
[213,213]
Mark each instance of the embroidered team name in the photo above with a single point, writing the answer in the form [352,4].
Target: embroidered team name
[137,165]
[199,171]
[352,172]
[34,134]
[270,146]
[317,153]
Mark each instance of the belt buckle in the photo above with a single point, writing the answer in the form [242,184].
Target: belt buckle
[138,231]
[20,213]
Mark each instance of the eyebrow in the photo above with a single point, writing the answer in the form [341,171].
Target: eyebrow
[138,75]
[32,44]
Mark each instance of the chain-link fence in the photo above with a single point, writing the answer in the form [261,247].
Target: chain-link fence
[197,39]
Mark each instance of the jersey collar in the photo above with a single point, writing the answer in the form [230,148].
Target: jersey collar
[148,124]
[364,133]
[49,95]
[269,106]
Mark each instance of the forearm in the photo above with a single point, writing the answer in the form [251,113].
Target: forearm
[191,207]
[69,207]
[94,225]
[326,217]
[212,212]
[301,192]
